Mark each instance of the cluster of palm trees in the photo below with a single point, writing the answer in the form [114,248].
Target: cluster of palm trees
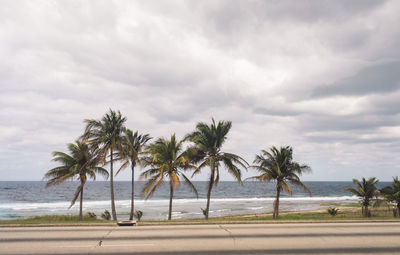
[368,193]
[107,140]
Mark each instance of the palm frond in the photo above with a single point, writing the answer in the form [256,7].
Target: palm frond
[190,184]
[298,183]
[152,189]
[285,187]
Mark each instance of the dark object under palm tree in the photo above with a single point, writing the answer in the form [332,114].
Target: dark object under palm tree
[105,136]
[132,144]
[392,195]
[366,190]
[106,215]
[138,215]
[278,166]
[333,211]
[166,159]
[78,164]
[208,141]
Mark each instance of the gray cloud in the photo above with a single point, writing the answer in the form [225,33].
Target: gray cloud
[350,123]
[321,76]
[380,78]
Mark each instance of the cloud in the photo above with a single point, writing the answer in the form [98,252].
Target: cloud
[380,78]
[321,76]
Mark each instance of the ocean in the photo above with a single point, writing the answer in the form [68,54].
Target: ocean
[32,198]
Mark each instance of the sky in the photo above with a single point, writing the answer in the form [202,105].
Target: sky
[320,76]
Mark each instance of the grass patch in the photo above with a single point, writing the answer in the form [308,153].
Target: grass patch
[342,205]
[348,213]
[352,205]
[54,219]
[353,213]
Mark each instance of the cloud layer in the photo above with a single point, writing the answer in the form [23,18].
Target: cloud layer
[321,76]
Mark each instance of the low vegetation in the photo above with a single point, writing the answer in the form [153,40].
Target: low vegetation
[106,215]
[333,211]
[54,219]
[138,214]
[343,213]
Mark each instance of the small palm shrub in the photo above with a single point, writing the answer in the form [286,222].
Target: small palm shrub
[138,215]
[204,212]
[392,195]
[333,211]
[367,192]
[106,215]
[91,215]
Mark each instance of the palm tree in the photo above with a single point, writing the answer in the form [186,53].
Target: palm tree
[105,136]
[78,164]
[366,190]
[208,141]
[278,166]
[132,145]
[166,159]
[392,194]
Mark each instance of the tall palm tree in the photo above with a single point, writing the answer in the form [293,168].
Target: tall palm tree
[208,141]
[366,190]
[392,194]
[166,159]
[77,164]
[132,144]
[278,166]
[105,136]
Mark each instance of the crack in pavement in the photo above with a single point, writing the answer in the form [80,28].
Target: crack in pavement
[99,244]
[230,234]
[106,235]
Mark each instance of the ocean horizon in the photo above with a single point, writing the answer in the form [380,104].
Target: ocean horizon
[22,199]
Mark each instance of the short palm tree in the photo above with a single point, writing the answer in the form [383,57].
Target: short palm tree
[105,136]
[278,166]
[166,159]
[366,190]
[78,164]
[392,194]
[132,144]
[208,141]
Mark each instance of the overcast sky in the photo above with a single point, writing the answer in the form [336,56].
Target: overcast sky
[321,76]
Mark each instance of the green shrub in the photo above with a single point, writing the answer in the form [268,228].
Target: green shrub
[204,212]
[333,211]
[91,215]
[138,215]
[106,215]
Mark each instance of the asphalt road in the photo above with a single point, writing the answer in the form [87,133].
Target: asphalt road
[310,238]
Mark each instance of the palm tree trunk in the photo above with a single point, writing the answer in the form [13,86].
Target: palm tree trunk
[80,205]
[398,210]
[171,194]
[210,185]
[366,212]
[114,212]
[133,193]
[276,203]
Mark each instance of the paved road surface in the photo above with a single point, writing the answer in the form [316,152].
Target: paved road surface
[329,238]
